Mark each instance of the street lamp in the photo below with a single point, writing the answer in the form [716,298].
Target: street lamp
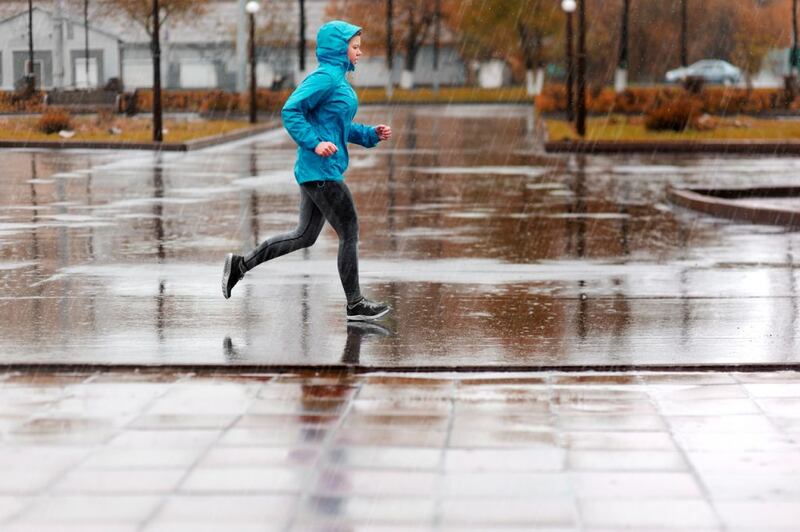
[30,76]
[569,7]
[155,46]
[252,8]
[580,125]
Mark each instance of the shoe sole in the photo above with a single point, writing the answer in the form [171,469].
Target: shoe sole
[359,317]
[226,274]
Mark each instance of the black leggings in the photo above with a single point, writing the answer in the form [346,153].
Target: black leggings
[320,201]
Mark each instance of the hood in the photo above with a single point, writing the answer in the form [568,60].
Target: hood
[332,41]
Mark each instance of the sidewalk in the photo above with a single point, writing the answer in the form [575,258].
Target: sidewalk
[122,451]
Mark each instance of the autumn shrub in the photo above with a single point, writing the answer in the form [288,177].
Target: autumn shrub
[14,102]
[714,100]
[674,115]
[53,120]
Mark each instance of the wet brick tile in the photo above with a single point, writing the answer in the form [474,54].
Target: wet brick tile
[635,485]
[752,486]
[26,482]
[500,485]
[698,392]
[142,458]
[221,480]
[707,407]
[755,462]
[759,515]
[785,407]
[745,423]
[339,481]
[11,505]
[366,511]
[741,442]
[275,437]
[200,526]
[619,422]
[639,514]
[259,456]
[80,509]
[391,437]
[177,421]
[116,482]
[165,438]
[503,438]
[626,461]
[226,510]
[70,527]
[376,458]
[619,441]
[504,460]
[484,513]
[773,389]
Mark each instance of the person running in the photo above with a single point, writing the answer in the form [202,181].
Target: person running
[319,117]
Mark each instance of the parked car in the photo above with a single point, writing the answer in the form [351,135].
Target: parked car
[710,70]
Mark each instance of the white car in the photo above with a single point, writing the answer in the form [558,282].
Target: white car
[710,70]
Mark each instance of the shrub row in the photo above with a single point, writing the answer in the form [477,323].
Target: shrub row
[14,102]
[712,100]
[206,101]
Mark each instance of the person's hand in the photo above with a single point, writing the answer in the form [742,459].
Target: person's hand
[384,132]
[325,149]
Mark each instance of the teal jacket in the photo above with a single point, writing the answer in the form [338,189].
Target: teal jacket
[322,108]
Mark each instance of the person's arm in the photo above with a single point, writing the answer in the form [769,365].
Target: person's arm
[366,136]
[314,89]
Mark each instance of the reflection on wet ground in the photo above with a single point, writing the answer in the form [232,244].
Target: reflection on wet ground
[490,252]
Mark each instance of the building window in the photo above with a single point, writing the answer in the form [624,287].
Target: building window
[37,71]
[198,75]
[80,73]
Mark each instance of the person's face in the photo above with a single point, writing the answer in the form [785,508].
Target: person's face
[354,49]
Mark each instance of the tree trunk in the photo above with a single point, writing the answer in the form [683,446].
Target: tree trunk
[621,80]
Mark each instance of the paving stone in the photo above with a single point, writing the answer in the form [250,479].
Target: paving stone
[648,514]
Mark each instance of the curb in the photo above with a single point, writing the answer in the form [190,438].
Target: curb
[191,145]
[234,369]
[720,203]
[753,147]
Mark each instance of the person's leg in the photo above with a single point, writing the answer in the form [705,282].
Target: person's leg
[304,235]
[334,200]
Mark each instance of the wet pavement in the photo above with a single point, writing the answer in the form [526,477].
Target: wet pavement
[179,451]
[491,253]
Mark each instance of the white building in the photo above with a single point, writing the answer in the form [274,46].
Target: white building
[59,51]
[196,54]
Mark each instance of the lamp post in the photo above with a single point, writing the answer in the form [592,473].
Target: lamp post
[301,44]
[684,30]
[86,39]
[569,7]
[580,125]
[158,128]
[794,53]
[389,48]
[30,75]
[252,8]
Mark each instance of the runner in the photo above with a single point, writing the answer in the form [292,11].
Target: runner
[319,117]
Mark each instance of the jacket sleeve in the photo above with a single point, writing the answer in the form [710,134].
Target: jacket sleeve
[366,136]
[313,90]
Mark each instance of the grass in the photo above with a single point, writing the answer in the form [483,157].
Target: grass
[96,129]
[617,127]
[445,95]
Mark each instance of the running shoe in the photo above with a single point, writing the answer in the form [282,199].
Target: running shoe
[231,273]
[366,310]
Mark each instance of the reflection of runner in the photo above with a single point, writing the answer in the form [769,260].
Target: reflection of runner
[318,115]
[355,332]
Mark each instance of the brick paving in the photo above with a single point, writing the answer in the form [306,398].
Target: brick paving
[121,451]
